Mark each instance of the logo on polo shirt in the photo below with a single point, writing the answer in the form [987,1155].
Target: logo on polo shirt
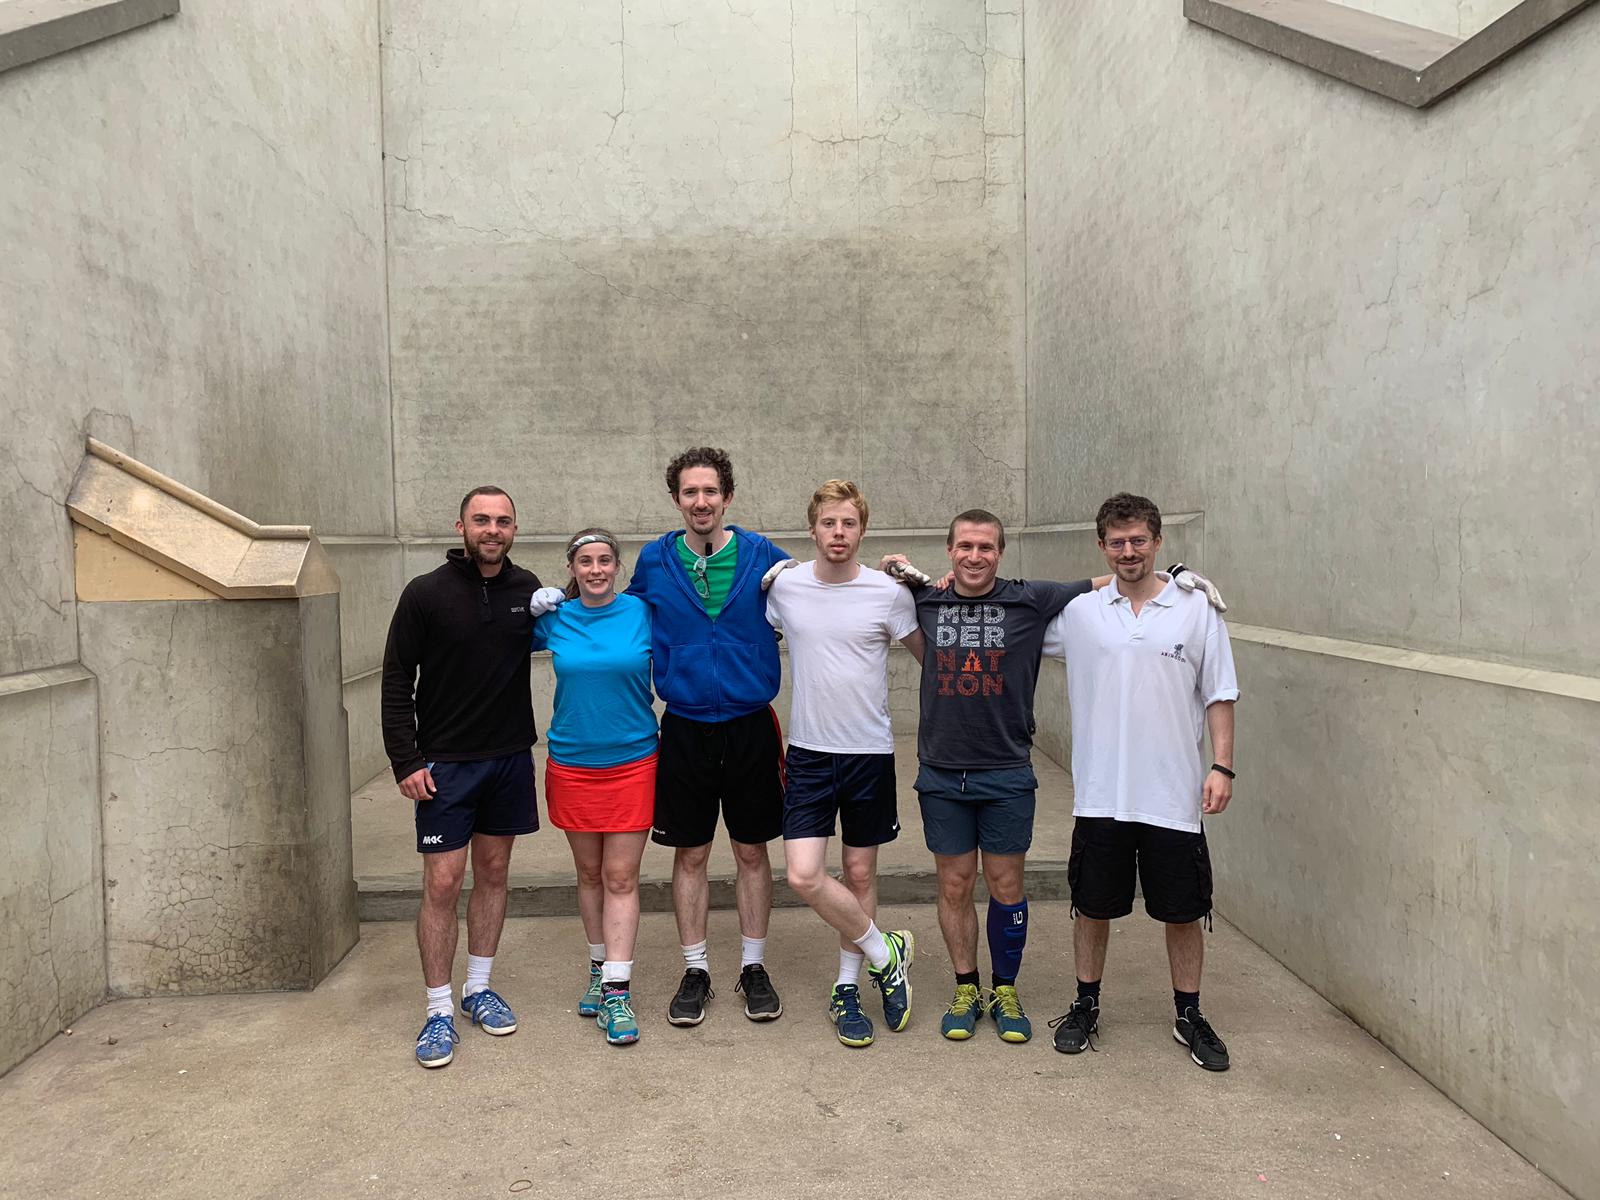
[1176,652]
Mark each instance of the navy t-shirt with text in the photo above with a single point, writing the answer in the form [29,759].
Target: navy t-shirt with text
[980,668]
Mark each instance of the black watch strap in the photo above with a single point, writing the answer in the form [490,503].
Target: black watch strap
[1225,770]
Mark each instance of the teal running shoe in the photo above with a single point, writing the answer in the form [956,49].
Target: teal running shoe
[436,1043]
[844,1007]
[489,1013]
[1010,1022]
[589,1002]
[960,1020]
[894,981]
[616,1019]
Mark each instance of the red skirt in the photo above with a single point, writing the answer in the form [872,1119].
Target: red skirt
[620,799]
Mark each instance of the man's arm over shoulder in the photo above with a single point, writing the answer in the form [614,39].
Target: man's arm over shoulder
[402,654]
[1051,597]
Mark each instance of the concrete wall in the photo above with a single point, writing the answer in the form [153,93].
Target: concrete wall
[621,229]
[191,223]
[1361,339]
[52,924]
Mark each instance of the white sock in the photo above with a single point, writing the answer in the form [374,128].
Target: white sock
[439,1000]
[873,945]
[616,972]
[694,958]
[597,952]
[849,967]
[478,968]
[755,950]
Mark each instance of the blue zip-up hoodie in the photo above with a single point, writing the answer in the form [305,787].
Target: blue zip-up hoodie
[710,670]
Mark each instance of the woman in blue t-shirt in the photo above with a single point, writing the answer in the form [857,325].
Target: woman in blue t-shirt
[600,780]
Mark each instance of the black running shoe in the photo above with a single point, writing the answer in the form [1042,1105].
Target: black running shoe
[1205,1047]
[761,1001]
[1076,1027]
[689,1005]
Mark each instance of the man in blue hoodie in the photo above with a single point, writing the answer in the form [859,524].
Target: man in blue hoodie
[715,660]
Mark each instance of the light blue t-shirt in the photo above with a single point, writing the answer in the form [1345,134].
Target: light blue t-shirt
[602,713]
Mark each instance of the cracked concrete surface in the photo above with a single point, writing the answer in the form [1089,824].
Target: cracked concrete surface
[224,781]
[52,937]
[315,1094]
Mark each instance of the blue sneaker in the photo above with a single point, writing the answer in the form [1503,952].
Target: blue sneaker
[845,1009]
[1005,1008]
[589,1002]
[489,1013]
[436,1043]
[617,1020]
[893,980]
[960,1020]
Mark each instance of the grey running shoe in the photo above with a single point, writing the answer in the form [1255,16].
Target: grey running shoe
[689,1005]
[761,1001]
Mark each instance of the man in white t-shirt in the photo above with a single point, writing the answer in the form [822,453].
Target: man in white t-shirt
[1149,670]
[839,619]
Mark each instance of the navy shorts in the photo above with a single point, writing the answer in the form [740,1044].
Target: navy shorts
[963,811]
[735,766]
[1173,865]
[859,788]
[493,796]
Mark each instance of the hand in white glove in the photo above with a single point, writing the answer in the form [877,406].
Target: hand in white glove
[1189,579]
[896,566]
[545,600]
[774,569]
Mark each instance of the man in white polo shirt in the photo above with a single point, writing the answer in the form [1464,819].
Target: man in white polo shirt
[1149,671]
[840,618]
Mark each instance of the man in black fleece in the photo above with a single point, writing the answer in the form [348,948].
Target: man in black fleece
[458,727]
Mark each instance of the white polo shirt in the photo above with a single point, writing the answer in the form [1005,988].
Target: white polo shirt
[839,635]
[1139,687]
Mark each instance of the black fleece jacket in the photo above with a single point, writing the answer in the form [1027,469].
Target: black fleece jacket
[455,670]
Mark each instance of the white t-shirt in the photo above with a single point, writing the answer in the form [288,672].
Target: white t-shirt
[839,635]
[1139,687]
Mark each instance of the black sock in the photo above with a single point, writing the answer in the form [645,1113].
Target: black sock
[1091,990]
[597,963]
[1002,981]
[971,977]
[1185,1000]
[611,986]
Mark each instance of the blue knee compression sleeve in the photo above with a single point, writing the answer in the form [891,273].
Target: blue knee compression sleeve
[1008,934]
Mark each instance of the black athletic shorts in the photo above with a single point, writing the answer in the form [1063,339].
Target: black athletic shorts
[858,788]
[1173,866]
[735,766]
[493,796]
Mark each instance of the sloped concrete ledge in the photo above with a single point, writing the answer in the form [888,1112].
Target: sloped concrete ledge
[35,29]
[1417,67]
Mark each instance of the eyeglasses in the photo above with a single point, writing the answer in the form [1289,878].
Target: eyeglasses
[698,570]
[1116,544]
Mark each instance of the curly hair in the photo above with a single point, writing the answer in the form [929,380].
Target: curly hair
[702,456]
[832,492]
[1124,509]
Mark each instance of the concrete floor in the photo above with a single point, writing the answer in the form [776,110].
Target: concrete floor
[316,1094]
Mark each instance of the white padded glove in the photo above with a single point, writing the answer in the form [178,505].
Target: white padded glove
[545,600]
[906,573]
[1189,579]
[774,569]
